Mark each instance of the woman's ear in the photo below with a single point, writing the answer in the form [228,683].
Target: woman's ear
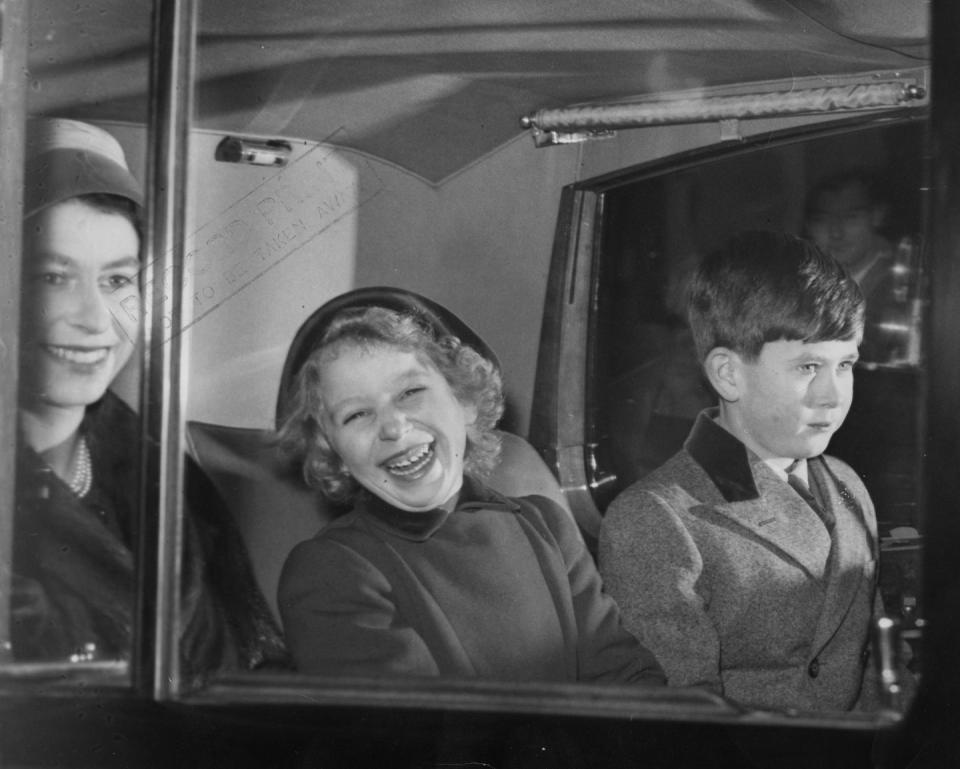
[721,369]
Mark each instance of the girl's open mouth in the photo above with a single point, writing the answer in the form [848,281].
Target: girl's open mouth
[413,463]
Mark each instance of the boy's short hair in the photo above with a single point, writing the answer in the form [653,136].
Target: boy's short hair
[764,287]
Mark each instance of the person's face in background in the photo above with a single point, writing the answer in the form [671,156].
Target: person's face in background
[844,223]
[81,303]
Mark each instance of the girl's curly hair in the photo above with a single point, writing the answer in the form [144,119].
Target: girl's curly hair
[473,379]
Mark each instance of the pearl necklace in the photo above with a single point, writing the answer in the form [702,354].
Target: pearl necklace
[82,479]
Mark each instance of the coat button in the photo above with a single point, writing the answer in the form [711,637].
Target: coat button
[813,669]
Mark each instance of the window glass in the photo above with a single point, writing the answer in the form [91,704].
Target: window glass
[252,271]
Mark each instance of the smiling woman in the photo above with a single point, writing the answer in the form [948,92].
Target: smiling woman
[77,481]
[78,485]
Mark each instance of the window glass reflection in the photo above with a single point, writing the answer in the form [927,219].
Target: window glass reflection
[77,485]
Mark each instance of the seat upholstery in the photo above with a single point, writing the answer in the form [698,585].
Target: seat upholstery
[275,509]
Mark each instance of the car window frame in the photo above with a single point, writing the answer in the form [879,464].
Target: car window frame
[154,669]
[564,419]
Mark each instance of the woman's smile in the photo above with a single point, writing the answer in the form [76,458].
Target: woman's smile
[79,355]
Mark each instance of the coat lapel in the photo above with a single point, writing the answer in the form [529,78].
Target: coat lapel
[781,519]
[852,539]
[757,499]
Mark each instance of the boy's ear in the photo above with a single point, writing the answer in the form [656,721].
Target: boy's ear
[721,369]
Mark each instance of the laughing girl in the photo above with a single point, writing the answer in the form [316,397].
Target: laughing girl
[431,572]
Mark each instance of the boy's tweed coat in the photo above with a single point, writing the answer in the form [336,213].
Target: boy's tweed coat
[733,581]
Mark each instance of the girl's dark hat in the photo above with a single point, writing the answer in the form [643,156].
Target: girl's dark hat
[434,315]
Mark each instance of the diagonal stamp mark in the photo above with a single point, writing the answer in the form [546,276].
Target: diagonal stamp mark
[281,216]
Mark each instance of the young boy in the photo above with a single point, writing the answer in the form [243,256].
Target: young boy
[737,577]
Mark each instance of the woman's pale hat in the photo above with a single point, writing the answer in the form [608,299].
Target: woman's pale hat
[66,158]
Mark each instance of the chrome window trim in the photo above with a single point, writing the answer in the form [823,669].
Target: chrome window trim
[13,57]
[156,655]
[615,701]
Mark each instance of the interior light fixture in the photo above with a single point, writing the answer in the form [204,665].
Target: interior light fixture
[256,152]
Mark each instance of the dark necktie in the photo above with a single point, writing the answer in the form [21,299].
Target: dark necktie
[803,490]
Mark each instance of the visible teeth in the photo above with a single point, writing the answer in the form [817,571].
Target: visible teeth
[411,457]
[73,355]
[412,461]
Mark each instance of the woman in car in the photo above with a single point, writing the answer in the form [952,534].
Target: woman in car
[77,489]
[431,572]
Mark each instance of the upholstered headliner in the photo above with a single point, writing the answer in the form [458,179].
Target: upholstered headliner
[433,86]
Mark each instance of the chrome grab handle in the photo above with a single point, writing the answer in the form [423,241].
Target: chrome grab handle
[887,648]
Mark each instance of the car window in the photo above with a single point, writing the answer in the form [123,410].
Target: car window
[294,193]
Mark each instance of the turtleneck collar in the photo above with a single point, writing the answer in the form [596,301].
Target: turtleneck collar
[420,526]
